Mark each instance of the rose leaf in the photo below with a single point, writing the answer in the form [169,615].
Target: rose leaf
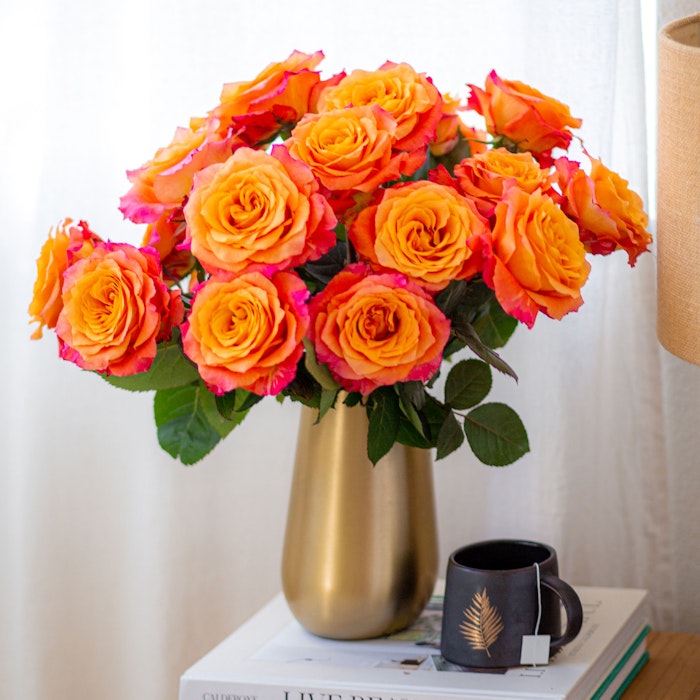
[182,422]
[496,434]
[384,419]
[170,369]
[496,327]
[450,437]
[467,384]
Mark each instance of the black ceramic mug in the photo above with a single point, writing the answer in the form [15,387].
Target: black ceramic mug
[493,600]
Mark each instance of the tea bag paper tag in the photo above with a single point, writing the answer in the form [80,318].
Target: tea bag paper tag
[535,650]
[535,647]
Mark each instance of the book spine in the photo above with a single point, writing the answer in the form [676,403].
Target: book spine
[208,690]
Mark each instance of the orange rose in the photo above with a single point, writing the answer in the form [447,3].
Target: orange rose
[116,307]
[610,215]
[258,211]
[246,332]
[531,120]
[376,330]
[410,97]
[537,261]
[348,149]
[476,138]
[485,175]
[162,184]
[425,230]
[65,244]
[275,99]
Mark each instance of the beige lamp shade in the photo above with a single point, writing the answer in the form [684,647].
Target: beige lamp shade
[678,189]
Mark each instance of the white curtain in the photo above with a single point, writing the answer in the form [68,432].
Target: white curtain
[118,566]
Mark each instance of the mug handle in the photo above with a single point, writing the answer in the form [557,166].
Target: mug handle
[572,607]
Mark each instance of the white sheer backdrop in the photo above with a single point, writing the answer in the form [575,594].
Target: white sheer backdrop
[119,567]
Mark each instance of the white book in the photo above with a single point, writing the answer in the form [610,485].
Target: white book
[271,657]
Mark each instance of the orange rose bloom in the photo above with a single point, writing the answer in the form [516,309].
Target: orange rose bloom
[425,230]
[116,307]
[376,330]
[485,175]
[410,97]
[65,244]
[348,149]
[278,95]
[533,121]
[246,332]
[610,215]
[162,184]
[258,211]
[537,261]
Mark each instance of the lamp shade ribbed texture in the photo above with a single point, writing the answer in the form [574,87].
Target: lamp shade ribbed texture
[678,189]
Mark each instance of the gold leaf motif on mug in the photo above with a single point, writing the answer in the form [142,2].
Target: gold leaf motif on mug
[483,623]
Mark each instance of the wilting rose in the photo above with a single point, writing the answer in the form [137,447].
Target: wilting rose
[348,149]
[116,307]
[246,332]
[485,175]
[427,231]
[453,133]
[537,261]
[161,185]
[373,330]
[525,116]
[410,97]
[258,211]
[609,214]
[66,243]
[278,96]
[167,236]
[447,129]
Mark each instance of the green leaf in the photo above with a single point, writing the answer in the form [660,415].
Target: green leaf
[303,388]
[384,418]
[353,398]
[432,417]
[413,393]
[222,424]
[467,384]
[328,398]
[450,437]
[496,434]
[170,369]
[319,372]
[496,327]
[326,267]
[450,298]
[469,337]
[232,403]
[245,400]
[412,398]
[408,435]
[226,404]
[409,412]
[184,428]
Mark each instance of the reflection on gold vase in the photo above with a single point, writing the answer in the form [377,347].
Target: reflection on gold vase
[361,552]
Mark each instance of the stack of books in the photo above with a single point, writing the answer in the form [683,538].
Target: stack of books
[271,657]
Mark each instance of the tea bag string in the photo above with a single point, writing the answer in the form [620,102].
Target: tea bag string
[539,600]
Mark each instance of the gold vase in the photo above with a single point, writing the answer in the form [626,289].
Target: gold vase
[361,552]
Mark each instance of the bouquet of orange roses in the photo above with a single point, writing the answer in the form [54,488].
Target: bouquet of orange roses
[338,240]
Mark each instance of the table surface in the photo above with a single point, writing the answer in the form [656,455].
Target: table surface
[673,669]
